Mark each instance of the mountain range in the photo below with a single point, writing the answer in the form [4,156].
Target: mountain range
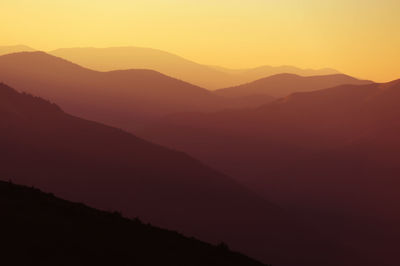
[210,77]
[110,169]
[124,58]
[127,99]
[313,160]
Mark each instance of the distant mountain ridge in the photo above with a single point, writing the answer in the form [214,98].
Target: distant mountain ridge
[282,85]
[265,71]
[210,77]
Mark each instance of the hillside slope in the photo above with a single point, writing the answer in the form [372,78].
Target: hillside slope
[44,230]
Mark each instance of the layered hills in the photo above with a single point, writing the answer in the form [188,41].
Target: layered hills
[210,77]
[125,98]
[107,168]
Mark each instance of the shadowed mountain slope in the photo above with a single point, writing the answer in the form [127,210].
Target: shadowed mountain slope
[125,98]
[109,169]
[334,150]
[341,120]
[116,58]
[40,229]
[284,84]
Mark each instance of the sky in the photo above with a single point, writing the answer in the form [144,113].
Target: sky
[356,37]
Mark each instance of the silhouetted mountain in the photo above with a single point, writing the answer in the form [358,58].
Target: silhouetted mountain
[334,150]
[210,77]
[125,99]
[284,84]
[40,229]
[15,49]
[109,169]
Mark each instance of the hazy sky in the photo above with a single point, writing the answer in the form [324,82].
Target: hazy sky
[358,37]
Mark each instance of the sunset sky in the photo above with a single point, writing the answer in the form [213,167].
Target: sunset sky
[360,38]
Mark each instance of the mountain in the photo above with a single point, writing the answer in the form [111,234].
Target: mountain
[125,98]
[107,168]
[284,84]
[15,49]
[44,230]
[210,77]
[333,151]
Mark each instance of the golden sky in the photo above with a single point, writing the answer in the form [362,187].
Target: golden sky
[357,37]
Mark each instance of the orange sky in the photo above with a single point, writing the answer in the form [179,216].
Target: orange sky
[360,38]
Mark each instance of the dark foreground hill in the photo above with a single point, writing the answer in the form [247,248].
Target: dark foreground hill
[40,229]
